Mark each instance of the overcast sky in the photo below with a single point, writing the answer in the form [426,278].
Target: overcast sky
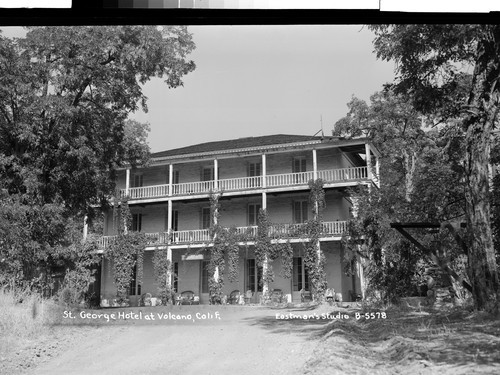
[261,80]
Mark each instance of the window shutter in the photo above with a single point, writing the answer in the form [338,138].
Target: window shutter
[175,217]
[296,212]
[305,210]
[201,218]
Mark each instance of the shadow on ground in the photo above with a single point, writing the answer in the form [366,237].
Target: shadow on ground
[406,341]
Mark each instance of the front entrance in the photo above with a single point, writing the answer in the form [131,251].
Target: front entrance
[300,278]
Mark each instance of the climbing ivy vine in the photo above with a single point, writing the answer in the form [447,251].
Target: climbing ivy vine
[162,268]
[225,249]
[271,245]
[126,251]
[314,258]
[264,253]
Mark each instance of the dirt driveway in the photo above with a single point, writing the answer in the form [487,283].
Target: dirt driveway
[210,340]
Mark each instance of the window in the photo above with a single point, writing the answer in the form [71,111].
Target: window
[254,276]
[299,164]
[136,222]
[134,288]
[207,174]
[254,170]
[300,210]
[175,220]
[206,218]
[175,276]
[204,276]
[136,180]
[175,178]
[300,276]
[253,213]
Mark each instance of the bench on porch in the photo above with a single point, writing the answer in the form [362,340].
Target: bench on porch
[305,296]
[234,297]
[187,298]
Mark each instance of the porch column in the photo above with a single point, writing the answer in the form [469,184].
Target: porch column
[169,215]
[170,178]
[265,285]
[85,227]
[264,171]
[216,173]
[368,160]
[315,165]
[127,181]
[377,169]
[169,270]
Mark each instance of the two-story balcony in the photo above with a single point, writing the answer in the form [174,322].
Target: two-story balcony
[248,234]
[332,177]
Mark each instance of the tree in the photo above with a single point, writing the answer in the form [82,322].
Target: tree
[419,182]
[393,125]
[432,65]
[65,95]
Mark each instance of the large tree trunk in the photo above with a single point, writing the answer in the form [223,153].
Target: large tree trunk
[482,115]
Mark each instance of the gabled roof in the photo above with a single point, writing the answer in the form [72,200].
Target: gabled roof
[235,144]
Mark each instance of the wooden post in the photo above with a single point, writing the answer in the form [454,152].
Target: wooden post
[170,178]
[216,174]
[169,271]
[264,171]
[368,160]
[127,181]
[315,165]
[169,216]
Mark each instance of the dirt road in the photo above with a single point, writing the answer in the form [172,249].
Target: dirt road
[212,340]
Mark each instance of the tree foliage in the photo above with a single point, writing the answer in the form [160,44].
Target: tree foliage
[65,95]
[420,182]
[452,72]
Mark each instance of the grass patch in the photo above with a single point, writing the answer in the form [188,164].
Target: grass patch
[24,316]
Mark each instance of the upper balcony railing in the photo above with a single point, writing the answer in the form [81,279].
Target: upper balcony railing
[248,233]
[248,183]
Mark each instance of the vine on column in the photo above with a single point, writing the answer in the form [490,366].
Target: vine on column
[126,251]
[314,258]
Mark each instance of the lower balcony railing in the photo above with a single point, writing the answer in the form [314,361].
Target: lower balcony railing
[249,233]
[246,183]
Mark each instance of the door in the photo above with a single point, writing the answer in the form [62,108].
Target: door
[255,170]
[299,166]
[300,278]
